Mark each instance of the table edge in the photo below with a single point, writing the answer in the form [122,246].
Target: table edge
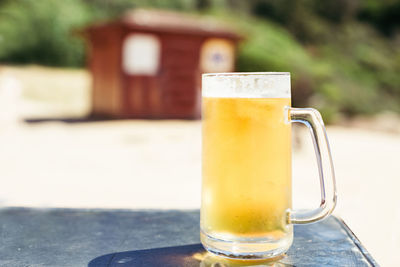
[356,241]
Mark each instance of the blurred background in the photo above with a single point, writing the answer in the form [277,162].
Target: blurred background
[100,108]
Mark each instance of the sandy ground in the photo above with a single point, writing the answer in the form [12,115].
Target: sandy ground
[156,164]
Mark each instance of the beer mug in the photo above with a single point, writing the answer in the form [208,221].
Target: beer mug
[246,165]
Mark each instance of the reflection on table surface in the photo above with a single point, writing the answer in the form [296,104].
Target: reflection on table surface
[187,256]
[210,260]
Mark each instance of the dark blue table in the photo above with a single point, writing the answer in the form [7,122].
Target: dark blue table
[76,237]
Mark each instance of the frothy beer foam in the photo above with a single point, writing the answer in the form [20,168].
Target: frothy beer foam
[246,85]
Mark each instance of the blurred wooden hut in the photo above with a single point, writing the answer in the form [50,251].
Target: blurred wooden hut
[148,63]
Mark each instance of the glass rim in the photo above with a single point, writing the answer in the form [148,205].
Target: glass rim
[216,74]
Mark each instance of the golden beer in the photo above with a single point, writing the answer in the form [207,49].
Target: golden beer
[246,186]
[246,167]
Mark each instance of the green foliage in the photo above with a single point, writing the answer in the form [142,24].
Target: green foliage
[362,76]
[350,69]
[42,31]
[384,14]
[340,63]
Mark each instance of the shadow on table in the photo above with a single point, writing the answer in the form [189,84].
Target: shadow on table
[73,120]
[186,256]
[70,119]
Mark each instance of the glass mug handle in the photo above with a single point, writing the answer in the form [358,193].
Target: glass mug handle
[313,120]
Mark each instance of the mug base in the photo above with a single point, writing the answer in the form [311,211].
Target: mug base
[259,249]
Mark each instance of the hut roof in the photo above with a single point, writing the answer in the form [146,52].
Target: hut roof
[168,21]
